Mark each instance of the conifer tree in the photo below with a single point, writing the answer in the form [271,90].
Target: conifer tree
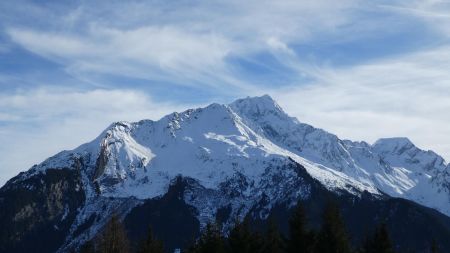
[241,239]
[434,248]
[273,242]
[332,237]
[301,240]
[193,247]
[211,240]
[113,239]
[151,244]
[367,245]
[381,241]
[88,247]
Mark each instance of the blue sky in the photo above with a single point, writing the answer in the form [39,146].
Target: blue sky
[360,69]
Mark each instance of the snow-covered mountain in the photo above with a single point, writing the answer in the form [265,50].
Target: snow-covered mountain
[235,156]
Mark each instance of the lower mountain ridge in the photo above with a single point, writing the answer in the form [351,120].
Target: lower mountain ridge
[247,159]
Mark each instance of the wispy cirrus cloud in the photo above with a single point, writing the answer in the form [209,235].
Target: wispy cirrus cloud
[361,69]
[434,11]
[154,53]
[188,44]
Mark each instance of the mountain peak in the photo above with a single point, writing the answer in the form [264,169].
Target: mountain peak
[393,144]
[257,106]
[264,100]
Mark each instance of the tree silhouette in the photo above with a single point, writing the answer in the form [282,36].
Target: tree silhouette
[211,240]
[151,244]
[113,238]
[379,243]
[241,239]
[382,241]
[88,247]
[273,242]
[434,248]
[300,239]
[332,237]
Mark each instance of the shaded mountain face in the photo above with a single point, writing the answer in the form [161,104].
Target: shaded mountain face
[245,159]
[37,213]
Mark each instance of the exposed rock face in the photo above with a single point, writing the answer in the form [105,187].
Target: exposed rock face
[102,161]
[37,213]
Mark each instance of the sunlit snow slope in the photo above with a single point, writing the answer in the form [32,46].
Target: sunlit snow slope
[214,143]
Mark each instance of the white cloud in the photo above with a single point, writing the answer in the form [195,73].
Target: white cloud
[36,124]
[276,44]
[184,44]
[403,96]
[168,47]
[140,52]
[434,12]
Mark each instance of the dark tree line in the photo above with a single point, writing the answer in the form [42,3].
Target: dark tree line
[331,237]
[113,239]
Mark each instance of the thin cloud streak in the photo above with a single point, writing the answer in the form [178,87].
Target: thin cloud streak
[169,45]
[434,12]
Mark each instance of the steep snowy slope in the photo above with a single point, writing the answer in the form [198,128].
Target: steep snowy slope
[243,152]
[394,166]
[212,144]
